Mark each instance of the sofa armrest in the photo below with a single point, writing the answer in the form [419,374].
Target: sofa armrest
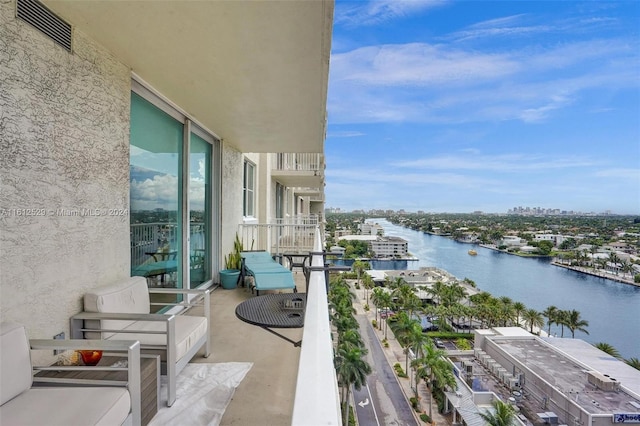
[130,347]
[201,298]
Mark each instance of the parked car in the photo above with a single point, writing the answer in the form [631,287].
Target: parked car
[439,343]
[386,313]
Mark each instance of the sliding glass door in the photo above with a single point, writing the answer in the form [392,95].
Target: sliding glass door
[199,215]
[172,201]
[155,167]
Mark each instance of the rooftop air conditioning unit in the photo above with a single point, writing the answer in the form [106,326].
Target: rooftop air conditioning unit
[515,384]
[602,381]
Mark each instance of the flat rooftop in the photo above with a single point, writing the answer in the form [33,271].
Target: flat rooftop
[568,373]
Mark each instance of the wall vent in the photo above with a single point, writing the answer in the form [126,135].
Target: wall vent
[39,16]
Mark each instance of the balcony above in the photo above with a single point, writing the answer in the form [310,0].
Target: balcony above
[299,170]
[315,195]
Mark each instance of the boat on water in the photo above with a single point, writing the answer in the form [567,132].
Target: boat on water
[472,252]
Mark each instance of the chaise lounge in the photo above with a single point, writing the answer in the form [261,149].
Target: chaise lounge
[266,272]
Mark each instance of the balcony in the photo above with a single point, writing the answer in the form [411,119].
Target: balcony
[289,235]
[299,170]
[286,385]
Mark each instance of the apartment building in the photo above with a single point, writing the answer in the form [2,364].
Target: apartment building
[370,229]
[389,247]
[129,127]
[556,239]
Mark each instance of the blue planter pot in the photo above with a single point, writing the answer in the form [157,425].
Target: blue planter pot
[229,278]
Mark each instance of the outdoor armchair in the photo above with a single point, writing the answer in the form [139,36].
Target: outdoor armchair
[122,310]
[89,403]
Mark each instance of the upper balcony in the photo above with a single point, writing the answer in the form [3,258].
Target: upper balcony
[299,170]
[293,234]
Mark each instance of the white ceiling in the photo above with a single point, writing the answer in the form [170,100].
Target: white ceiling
[253,72]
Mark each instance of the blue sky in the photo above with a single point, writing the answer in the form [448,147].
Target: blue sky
[448,106]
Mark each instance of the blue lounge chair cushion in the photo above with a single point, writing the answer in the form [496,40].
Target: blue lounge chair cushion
[267,273]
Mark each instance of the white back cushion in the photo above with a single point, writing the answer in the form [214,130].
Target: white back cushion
[15,361]
[130,295]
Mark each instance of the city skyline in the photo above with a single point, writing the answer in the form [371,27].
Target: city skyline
[482,106]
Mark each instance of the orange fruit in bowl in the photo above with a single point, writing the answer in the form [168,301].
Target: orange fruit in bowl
[91,357]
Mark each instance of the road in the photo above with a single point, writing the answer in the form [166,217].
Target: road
[381,401]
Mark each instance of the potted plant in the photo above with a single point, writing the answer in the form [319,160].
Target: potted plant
[232,264]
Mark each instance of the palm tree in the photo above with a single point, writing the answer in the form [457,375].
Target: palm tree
[416,340]
[503,415]
[533,318]
[403,327]
[453,293]
[562,318]
[403,293]
[574,322]
[506,310]
[352,369]
[634,362]
[385,300]
[614,259]
[432,367]
[518,309]
[368,283]
[437,290]
[359,267]
[551,314]
[605,347]
[382,299]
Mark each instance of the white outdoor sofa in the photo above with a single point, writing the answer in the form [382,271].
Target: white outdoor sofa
[64,401]
[122,311]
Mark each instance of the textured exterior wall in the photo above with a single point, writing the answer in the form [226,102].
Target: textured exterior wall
[231,199]
[64,154]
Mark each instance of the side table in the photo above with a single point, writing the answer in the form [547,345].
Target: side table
[149,380]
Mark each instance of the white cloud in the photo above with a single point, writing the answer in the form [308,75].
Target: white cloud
[630,174]
[365,13]
[346,134]
[420,82]
[497,163]
[159,192]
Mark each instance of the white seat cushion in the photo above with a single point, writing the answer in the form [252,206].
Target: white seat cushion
[64,406]
[188,331]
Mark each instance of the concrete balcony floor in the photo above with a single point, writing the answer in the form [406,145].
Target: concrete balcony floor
[266,394]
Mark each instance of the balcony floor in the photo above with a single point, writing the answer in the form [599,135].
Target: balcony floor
[266,394]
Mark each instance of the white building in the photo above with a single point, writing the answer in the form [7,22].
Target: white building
[368,228]
[556,239]
[389,247]
[562,381]
[513,241]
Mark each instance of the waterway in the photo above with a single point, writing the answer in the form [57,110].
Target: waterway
[612,308]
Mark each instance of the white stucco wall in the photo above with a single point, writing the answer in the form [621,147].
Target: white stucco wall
[231,198]
[64,147]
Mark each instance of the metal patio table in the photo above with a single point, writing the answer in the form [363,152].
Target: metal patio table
[282,310]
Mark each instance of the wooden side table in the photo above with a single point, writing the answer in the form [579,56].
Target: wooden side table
[149,380]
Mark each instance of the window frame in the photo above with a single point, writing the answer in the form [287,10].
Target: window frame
[248,194]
